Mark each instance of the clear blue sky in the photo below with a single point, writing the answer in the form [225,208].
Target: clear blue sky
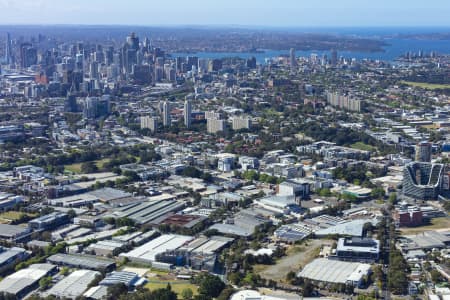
[283,13]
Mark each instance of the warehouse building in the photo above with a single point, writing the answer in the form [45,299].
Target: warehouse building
[358,249]
[106,248]
[82,262]
[73,285]
[200,254]
[49,221]
[14,233]
[10,257]
[323,270]
[149,211]
[147,253]
[130,279]
[26,280]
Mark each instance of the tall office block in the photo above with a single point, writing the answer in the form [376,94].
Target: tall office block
[187,113]
[423,152]
[166,114]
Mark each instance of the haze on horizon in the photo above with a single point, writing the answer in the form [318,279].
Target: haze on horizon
[268,13]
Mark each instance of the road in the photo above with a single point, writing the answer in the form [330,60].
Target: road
[385,292]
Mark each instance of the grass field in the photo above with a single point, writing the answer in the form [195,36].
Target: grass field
[436,223]
[76,168]
[297,256]
[9,216]
[177,286]
[428,86]
[362,146]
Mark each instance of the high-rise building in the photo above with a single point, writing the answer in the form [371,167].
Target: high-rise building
[241,123]
[70,104]
[28,55]
[149,122]
[133,41]
[93,70]
[251,63]
[212,115]
[8,50]
[423,152]
[166,114]
[334,57]
[293,60]
[215,125]
[187,113]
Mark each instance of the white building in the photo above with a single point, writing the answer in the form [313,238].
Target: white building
[149,122]
[215,125]
[241,123]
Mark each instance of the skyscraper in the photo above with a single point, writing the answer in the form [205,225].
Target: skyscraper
[293,60]
[187,113]
[8,50]
[334,57]
[166,114]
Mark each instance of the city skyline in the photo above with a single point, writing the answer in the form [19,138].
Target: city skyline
[347,13]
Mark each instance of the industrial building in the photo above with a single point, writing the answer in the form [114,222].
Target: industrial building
[26,280]
[49,221]
[105,248]
[242,224]
[147,253]
[323,270]
[148,211]
[14,233]
[130,279]
[10,257]
[82,262]
[73,285]
[358,249]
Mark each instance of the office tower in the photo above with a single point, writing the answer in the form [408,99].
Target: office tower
[133,41]
[8,50]
[142,74]
[129,53]
[28,55]
[90,107]
[187,113]
[293,60]
[192,61]
[150,123]
[422,180]
[251,62]
[215,65]
[70,104]
[241,122]
[423,152]
[334,58]
[93,70]
[166,114]
[179,63]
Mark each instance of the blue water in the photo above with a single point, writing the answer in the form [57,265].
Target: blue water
[395,49]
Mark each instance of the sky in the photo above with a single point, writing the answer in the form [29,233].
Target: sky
[268,13]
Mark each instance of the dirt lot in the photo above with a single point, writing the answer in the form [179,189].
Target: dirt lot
[297,256]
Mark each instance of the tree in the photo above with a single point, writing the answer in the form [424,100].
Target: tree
[114,291]
[187,294]
[436,276]
[226,293]
[89,167]
[45,282]
[308,288]
[393,198]
[211,286]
